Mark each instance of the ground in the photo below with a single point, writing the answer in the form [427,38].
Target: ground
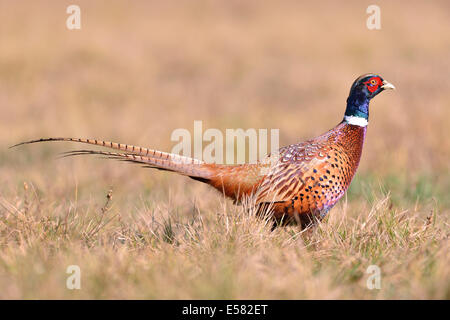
[134,73]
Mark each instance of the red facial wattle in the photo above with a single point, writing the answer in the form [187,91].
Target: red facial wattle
[373,84]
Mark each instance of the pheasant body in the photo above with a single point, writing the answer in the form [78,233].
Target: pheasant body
[306,181]
[327,167]
[300,183]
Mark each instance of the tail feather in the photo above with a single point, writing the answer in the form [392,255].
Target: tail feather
[113,145]
[234,181]
[191,167]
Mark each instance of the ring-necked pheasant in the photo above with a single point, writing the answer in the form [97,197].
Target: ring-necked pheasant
[301,183]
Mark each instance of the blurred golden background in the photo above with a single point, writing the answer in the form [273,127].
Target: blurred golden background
[138,70]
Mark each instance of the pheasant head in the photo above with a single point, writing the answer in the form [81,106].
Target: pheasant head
[362,91]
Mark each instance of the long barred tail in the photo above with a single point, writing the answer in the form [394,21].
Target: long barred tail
[193,168]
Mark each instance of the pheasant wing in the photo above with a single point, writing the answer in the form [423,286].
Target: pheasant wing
[291,172]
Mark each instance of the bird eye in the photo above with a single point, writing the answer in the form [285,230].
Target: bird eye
[373,82]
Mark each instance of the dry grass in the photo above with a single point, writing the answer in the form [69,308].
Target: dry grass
[163,252]
[136,73]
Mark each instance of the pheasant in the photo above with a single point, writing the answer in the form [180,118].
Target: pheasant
[300,183]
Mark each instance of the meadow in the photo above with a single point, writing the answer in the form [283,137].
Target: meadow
[135,72]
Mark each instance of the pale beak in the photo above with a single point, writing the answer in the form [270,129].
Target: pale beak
[387,85]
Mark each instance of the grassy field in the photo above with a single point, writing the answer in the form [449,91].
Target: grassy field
[134,73]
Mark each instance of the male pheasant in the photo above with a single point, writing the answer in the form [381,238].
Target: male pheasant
[300,184]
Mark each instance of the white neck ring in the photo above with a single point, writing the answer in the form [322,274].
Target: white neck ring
[356,121]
